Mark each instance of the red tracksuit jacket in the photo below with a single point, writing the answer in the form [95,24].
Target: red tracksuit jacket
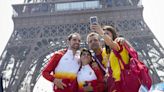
[52,64]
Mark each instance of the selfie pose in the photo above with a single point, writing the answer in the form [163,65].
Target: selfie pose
[120,78]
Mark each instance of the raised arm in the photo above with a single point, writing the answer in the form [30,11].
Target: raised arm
[107,38]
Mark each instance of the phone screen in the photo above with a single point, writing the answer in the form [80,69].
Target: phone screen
[93,20]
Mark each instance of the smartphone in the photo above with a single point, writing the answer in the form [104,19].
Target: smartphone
[93,20]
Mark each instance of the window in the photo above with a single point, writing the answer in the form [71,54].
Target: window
[77,5]
[91,4]
[62,6]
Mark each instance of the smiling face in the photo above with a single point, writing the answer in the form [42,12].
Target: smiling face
[85,57]
[93,41]
[74,41]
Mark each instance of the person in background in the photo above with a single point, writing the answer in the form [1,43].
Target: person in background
[63,66]
[90,77]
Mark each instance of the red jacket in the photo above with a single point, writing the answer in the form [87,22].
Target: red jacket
[52,64]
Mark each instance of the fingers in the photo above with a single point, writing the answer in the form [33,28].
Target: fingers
[60,86]
[120,40]
[59,83]
[88,88]
[94,64]
[95,27]
[107,75]
[63,84]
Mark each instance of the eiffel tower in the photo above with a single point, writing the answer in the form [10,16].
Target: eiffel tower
[41,27]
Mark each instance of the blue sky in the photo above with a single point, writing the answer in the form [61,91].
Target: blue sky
[153,16]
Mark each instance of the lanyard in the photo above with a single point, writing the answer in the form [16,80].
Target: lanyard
[102,67]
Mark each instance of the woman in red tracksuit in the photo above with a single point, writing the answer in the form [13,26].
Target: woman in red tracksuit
[89,77]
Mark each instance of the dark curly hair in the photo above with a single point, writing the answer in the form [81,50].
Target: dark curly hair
[114,36]
[85,50]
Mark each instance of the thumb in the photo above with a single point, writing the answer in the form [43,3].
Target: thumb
[64,84]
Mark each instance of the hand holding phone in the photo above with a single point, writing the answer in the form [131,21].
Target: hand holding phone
[93,20]
[94,25]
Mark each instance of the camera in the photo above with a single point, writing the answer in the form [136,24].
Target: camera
[93,20]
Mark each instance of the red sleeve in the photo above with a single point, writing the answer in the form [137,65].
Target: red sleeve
[51,67]
[98,73]
[99,86]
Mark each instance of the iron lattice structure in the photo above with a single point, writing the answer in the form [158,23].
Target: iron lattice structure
[40,28]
